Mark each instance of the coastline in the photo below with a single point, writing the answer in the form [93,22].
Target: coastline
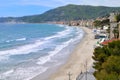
[76,61]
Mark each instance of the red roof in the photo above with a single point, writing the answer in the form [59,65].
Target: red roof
[108,41]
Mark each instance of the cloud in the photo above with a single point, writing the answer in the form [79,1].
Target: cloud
[56,3]
[111,3]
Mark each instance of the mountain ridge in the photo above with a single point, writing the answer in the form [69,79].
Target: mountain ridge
[66,13]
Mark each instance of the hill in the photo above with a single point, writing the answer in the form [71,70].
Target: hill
[66,13]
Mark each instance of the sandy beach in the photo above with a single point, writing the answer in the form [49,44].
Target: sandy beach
[77,60]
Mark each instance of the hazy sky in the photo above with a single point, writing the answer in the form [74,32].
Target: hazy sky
[30,7]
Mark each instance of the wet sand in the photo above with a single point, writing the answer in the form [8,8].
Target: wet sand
[76,63]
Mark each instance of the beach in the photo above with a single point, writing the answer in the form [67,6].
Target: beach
[81,55]
[76,62]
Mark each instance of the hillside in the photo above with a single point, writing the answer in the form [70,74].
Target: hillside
[65,13]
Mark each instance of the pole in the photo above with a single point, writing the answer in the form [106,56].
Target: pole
[69,75]
[86,69]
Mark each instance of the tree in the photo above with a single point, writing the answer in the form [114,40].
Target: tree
[97,23]
[117,17]
[107,61]
[116,32]
[101,23]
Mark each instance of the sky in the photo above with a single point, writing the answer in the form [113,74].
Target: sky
[17,8]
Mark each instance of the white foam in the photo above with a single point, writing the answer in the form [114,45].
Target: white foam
[8,72]
[44,59]
[9,41]
[36,72]
[30,72]
[23,73]
[60,34]
[21,39]
[26,49]
[61,25]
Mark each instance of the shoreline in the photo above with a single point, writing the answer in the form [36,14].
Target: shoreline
[76,60]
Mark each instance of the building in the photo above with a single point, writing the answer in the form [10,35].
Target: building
[113,24]
[119,30]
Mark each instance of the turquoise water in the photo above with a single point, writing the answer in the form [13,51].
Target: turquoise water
[27,50]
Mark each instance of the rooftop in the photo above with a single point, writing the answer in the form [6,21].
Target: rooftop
[108,41]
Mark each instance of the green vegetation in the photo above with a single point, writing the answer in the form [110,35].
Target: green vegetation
[118,17]
[101,23]
[107,61]
[66,13]
[116,32]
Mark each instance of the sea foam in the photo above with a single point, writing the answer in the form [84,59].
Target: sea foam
[22,73]
[44,59]
[21,39]
[55,46]
[34,47]
[25,49]
[60,34]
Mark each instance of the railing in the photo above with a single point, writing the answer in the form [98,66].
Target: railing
[83,76]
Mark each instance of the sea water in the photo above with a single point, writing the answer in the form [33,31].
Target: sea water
[27,50]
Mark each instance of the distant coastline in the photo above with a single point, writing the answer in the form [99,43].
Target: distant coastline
[65,13]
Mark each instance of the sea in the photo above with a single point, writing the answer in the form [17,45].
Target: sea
[28,50]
